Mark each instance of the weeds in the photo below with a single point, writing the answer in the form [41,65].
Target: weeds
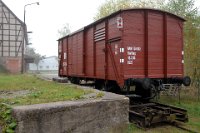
[99,95]
[6,120]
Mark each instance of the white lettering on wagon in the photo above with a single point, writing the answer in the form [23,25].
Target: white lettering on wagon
[132,53]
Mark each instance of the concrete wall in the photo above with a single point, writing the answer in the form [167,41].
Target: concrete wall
[89,116]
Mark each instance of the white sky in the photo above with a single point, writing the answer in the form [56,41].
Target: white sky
[45,20]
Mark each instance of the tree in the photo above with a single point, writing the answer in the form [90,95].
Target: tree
[30,52]
[64,31]
[184,8]
[111,6]
[158,4]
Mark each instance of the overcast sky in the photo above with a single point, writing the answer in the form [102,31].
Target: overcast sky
[45,20]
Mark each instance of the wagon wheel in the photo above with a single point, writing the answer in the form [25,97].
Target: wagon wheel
[99,84]
[75,80]
[144,93]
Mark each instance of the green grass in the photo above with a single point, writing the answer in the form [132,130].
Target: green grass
[12,88]
[191,104]
[40,91]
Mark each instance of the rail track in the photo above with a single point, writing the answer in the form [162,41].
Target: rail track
[178,125]
[148,113]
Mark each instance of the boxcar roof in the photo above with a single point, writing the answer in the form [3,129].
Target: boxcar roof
[119,11]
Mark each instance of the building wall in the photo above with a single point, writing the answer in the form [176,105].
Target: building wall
[12,64]
[49,63]
[11,39]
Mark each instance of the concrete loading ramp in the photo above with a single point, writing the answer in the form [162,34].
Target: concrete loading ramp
[92,116]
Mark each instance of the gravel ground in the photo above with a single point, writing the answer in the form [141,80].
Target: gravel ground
[48,76]
[13,94]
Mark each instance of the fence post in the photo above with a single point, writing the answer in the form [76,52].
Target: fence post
[198,87]
[179,94]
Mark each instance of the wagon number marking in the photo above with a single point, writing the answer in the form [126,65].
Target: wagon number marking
[132,53]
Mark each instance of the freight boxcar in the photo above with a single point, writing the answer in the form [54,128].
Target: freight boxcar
[132,47]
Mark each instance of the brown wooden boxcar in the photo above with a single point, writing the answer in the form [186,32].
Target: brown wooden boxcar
[141,47]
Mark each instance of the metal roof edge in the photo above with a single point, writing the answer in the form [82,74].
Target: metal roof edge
[154,9]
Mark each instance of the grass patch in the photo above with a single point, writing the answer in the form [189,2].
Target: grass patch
[191,104]
[40,91]
[29,89]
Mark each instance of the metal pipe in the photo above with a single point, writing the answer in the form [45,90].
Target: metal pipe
[25,35]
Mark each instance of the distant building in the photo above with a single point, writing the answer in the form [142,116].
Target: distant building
[12,31]
[47,64]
